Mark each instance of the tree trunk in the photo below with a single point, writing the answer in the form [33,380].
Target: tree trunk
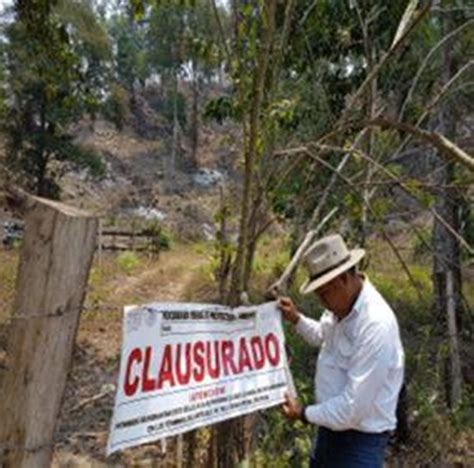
[232,436]
[255,217]
[454,353]
[174,144]
[447,281]
[223,245]
[369,143]
[42,158]
[195,117]
[55,260]
[445,246]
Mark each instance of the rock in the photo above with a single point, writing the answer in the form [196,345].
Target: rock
[149,213]
[206,177]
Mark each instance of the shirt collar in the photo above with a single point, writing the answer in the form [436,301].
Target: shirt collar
[362,295]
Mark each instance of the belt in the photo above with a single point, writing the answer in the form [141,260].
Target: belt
[356,432]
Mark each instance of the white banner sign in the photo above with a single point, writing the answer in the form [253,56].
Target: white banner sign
[185,366]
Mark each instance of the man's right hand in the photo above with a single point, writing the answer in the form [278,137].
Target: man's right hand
[288,310]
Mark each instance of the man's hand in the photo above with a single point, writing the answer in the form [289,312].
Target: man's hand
[292,409]
[288,310]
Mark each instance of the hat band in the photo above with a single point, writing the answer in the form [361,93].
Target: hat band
[327,270]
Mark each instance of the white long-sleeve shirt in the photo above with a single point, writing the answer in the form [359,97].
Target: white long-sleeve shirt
[360,365]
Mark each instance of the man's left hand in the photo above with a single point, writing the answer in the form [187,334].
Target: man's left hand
[292,409]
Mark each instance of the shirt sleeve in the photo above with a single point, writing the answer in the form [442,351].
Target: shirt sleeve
[368,369]
[310,330]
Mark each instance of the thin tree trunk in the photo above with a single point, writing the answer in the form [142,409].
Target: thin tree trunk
[454,354]
[225,256]
[369,137]
[251,152]
[233,436]
[447,281]
[252,239]
[42,163]
[174,144]
[445,246]
[195,118]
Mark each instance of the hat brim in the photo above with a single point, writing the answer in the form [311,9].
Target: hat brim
[355,257]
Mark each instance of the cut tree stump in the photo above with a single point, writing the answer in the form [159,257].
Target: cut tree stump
[54,267]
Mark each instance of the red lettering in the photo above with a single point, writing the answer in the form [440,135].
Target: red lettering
[130,388]
[166,369]
[272,354]
[215,371]
[183,377]
[199,370]
[227,353]
[244,357]
[148,384]
[257,352]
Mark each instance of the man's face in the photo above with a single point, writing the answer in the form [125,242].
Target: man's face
[333,295]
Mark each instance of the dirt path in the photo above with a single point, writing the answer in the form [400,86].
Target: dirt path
[82,435]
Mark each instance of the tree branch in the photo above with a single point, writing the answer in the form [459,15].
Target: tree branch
[440,142]
[426,60]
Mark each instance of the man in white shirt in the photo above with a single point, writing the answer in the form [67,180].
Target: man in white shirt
[360,365]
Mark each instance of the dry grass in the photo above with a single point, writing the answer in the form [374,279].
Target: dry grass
[8,268]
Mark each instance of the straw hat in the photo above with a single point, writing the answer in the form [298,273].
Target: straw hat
[326,259]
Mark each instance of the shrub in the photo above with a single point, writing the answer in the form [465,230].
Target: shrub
[128,262]
[161,239]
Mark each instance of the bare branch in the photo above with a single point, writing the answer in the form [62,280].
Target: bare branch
[281,285]
[405,21]
[356,191]
[440,142]
[376,69]
[427,59]
[398,181]
[307,13]
[445,88]
[333,180]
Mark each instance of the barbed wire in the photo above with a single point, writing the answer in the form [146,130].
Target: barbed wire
[61,313]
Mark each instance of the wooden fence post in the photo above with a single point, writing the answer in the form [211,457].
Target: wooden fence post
[54,267]
[99,242]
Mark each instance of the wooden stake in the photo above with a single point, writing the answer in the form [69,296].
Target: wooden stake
[54,267]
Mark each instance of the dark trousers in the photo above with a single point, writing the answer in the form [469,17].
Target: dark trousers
[348,449]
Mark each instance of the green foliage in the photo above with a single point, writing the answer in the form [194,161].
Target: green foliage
[132,66]
[286,444]
[160,237]
[404,297]
[52,56]
[128,262]
[422,245]
[178,100]
[222,108]
[116,107]
[165,37]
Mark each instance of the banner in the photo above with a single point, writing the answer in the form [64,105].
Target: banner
[184,366]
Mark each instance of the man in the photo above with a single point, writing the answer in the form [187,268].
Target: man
[360,365]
